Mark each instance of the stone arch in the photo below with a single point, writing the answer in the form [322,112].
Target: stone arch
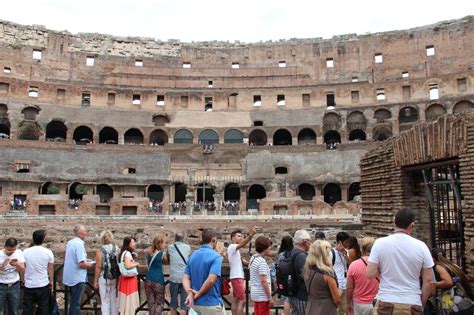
[83,135]
[306,191]
[382,115]
[158,137]
[45,189]
[331,121]
[28,130]
[233,136]
[282,137]
[357,135]
[408,114]
[205,192]
[160,119]
[332,193]
[108,135]
[332,136]
[381,133]
[133,136]
[354,190]
[183,136]
[307,136]
[356,120]
[208,136]
[105,193]
[462,106]
[258,137]
[73,191]
[232,192]
[254,193]
[30,112]
[155,192]
[56,130]
[434,111]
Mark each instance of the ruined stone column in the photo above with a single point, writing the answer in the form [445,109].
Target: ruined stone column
[243,199]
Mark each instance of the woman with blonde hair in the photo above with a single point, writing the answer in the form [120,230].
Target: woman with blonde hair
[361,291]
[105,280]
[155,281]
[320,280]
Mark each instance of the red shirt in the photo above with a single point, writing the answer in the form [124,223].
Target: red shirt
[365,289]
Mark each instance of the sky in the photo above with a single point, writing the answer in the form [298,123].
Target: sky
[226,20]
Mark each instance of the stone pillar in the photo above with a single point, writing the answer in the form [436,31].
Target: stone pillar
[189,200]
[166,199]
[318,190]
[344,192]
[243,199]
[121,139]
[294,140]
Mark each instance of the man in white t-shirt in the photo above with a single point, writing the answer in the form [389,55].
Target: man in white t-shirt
[237,277]
[12,263]
[39,273]
[399,261]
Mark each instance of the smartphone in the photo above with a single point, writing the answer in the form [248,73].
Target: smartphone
[220,247]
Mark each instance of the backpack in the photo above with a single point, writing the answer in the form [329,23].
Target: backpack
[286,277]
[110,264]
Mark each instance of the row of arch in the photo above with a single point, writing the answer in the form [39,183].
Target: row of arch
[205,192]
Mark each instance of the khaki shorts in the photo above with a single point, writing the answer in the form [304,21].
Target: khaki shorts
[209,310]
[385,308]
[341,309]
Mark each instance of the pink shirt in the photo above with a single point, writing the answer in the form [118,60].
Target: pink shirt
[365,290]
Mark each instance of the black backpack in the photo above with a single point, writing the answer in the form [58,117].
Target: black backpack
[286,277]
[110,264]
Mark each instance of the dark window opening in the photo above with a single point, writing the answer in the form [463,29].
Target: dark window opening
[180,192]
[86,100]
[129,210]
[258,123]
[183,136]
[355,96]
[330,101]
[306,191]
[110,98]
[332,193]
[258,137]
[105,193]
[205,193]
[282,137]
[56,131]
[255,193]
[306,100]
[158,137]
[155,193]
[208,136]
[232,192]
[133,136]
[108,135]
[280,100]
[83,135]
[160,100]
[306,136]
[208,104]
[136,99]
[332,137]
[354,190]
[184,101]
[257,100]
[76,191]
[462,84]
[60,94]
[408,115]
[46,209]
[357,135]
[4,87]
[281,170]
[233,136]
[406,92]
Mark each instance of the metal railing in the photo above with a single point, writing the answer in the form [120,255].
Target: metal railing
[92,295]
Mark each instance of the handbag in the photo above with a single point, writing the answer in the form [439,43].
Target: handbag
[225,287]
[127,273]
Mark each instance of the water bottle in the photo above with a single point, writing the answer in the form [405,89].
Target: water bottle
[290,285]
[273,271]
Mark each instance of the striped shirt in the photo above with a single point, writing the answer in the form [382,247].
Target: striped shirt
[258,266]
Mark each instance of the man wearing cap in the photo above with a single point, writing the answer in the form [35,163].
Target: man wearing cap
[302,242]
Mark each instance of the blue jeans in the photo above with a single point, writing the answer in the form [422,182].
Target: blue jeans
[175,290]
[76,293]
[10,295]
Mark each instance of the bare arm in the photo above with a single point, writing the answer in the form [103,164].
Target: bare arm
[336,298]
[98,268]
[349,293]
[51,273]
[19,266]
[187,287]
[266,287]
[165,258]
[246,240]
[129,263]
[427,287]
[85,265]
[446,280]
[372,270]
[211,279]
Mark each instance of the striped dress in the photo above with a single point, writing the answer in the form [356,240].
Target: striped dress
[128,291]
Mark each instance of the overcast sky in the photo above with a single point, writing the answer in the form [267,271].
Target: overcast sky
[244,20]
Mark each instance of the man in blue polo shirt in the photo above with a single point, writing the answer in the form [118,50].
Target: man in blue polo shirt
[75,268]
[201,277]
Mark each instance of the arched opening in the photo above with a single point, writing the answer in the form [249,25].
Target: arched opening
[356,120]
[382,115]
[354,190]
[306,191]
[205,193]
[48,188]
[357,135]
[56,131]
[332,137]
[307,136]
[282,137]
[108,135]
[255,193]
[30,112]
[408,115]
[258,137]
[28,130]
[4,131]
[232,192]
[133,136]
[180,190]
[76,191]
[155,193]
[183,136]
[381,133]
[208,136]
[434,111]
[462,106]
[160,120]
[105,193]
[233,136]
[331,121]
[83,135]
[158,137]
[332,193]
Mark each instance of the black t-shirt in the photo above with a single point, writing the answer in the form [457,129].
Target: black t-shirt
[299,258]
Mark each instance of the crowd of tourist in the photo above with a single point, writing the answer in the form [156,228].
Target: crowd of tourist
[73,203]
[17,203]
[395,275]
[155,206]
